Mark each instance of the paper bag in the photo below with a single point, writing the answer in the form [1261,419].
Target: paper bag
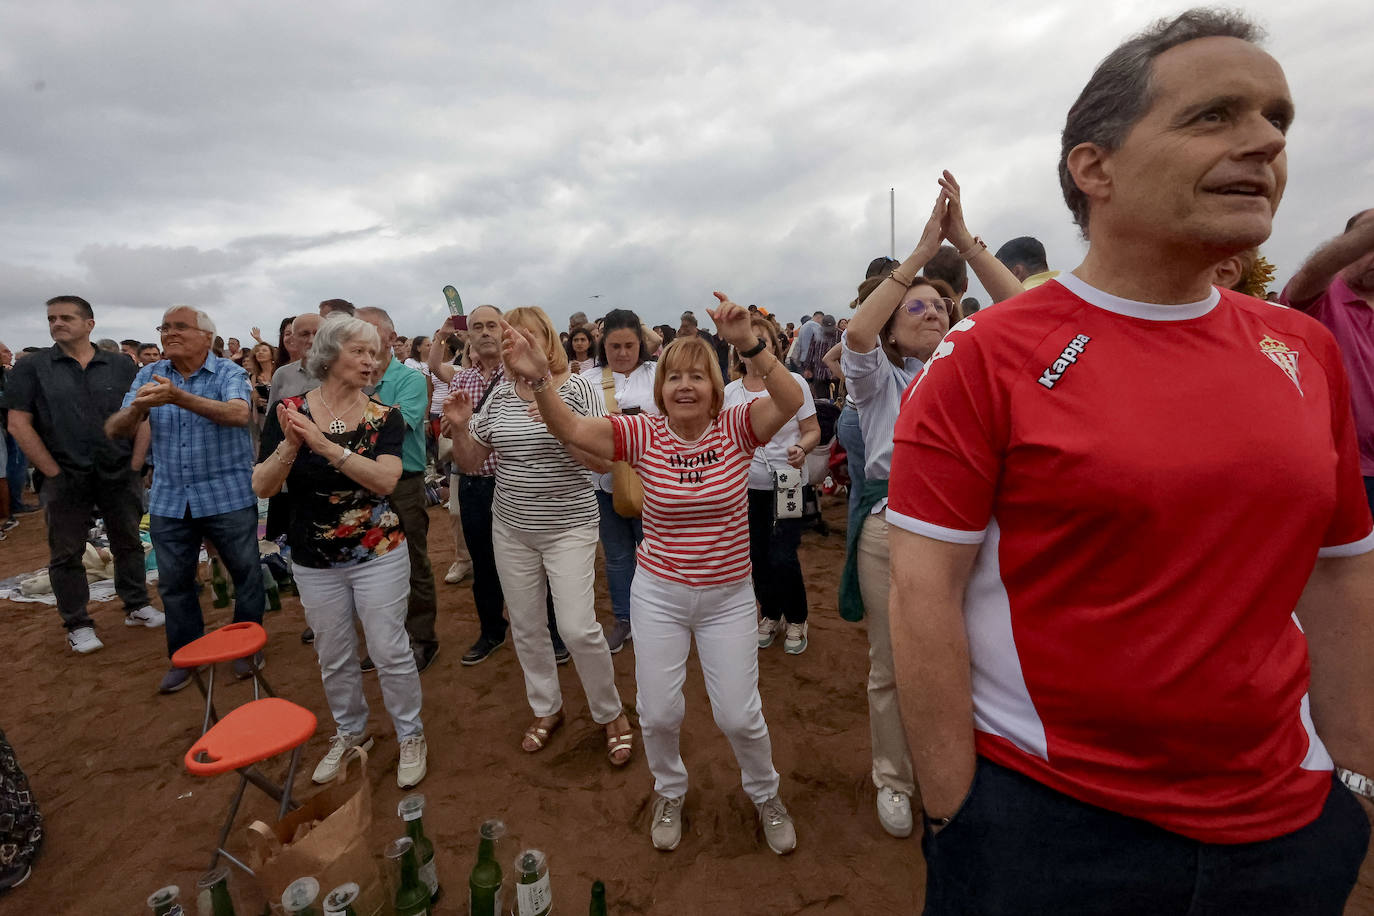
[334,849]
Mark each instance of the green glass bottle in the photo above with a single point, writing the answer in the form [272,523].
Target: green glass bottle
[533,895]
[412,810]
[213,897]
[340,900]
[219,584]
[412,897]
[484,884]
[269,585]
[300,896]
[598,907]
[166,901]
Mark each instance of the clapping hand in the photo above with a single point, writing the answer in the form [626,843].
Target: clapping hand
[457,412]
[952,226]
[156,393]
[732,323]
[522,354]
[300,429]
[934,228]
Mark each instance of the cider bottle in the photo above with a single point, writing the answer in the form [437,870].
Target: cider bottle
[412,810]
[484,884]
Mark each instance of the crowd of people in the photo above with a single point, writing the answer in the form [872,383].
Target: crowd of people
[1109,536]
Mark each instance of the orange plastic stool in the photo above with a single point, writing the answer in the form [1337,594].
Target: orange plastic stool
[247,735]
[228,643]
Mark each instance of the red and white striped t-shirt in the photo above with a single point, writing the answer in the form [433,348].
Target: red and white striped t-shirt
[696,518]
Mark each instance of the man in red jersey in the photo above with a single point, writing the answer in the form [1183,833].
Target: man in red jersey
[1127,509]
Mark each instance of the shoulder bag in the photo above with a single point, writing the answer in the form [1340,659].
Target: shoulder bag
[627,490]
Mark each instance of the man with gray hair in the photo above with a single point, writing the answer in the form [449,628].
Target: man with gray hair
[58,402]
[1132,588]
[291,380]
[197,405]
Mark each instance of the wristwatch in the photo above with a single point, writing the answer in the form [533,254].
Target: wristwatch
[1356,782]
[759,346]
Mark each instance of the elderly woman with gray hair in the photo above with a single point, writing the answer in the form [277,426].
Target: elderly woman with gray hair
[339,452]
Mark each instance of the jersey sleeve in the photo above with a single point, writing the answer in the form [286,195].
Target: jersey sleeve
[632,435]
[1349,533]
[949,442]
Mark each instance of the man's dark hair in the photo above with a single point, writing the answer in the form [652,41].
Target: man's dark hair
[147,346]
[1350,224]
[130,342]
[82,305]
[338,305]
[948,266]
[1025,250]
[970,305]
[1119,92]
[878,265]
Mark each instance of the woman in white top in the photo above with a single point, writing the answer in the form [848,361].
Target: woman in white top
[778,583]
[899,322]
[544,527]
[693,577]
[625,380]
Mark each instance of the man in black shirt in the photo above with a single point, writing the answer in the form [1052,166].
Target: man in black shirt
[58,402]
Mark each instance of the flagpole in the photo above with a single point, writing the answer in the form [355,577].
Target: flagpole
[892,219]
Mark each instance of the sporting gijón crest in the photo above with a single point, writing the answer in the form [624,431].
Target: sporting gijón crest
[1282,356]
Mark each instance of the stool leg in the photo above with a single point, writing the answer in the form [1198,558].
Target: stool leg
[229,821]
[267,688]
[209,693]
[270,788]
[286,803]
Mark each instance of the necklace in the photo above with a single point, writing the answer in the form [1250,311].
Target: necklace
[336,426]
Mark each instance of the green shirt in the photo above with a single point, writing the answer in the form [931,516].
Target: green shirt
[403,387]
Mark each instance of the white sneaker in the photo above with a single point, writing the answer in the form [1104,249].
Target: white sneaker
[767,630]
[412,766]
[84,641]
[666,830]
[795,642]
[778,829]
[339,745]
[458,572]
[146,616]
[894,812]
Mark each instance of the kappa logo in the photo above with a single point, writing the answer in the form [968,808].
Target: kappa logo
[1283,357]
[1055,370]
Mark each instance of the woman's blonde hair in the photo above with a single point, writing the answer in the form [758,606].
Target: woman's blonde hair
[690,353]
[533,318]
[764,329]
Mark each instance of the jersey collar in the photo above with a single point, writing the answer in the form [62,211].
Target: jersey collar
[1148,311]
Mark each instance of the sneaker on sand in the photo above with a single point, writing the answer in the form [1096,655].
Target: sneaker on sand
[894,812]
[481,649]
[84,641]
[9,524]
[561,655]
[777,826]
[175,679]
[795,643]
[339,745]
[666,830]
[618,635]
[458,572]
[767,630]
[146,616]
[412,765]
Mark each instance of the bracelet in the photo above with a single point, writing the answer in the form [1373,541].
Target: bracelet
[347,454]
[759,346]
[906,284]
[276,453]
[540,383]
[776,364]
[976,246]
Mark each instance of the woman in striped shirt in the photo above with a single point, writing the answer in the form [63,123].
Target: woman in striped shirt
[693,577]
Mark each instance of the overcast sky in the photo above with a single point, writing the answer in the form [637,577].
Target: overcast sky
[252,159]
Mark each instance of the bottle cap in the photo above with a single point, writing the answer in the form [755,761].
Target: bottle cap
[213,877]
[164,895]
[399,847]
[341,897]
[492,829]
[412,807]
[300,894]
[530,862]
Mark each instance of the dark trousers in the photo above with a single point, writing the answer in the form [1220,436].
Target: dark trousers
[408,499]
[778,583]
[16,469]
[1018,847]
[1369,492]
[177,544]
[70,502]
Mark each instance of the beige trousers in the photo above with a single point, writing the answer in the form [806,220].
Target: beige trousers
[891,754]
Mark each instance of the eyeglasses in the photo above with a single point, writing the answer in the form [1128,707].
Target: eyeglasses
[179,327]
[944,305]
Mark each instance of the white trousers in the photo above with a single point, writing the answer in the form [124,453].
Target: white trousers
[376,591]
[664,617]
[525,560]
[891,754]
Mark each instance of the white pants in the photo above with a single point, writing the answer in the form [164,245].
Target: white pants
[377,592]
[891,754]
[525,560]
[664,616]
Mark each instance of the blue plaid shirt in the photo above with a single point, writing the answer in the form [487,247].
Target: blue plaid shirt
[197,463]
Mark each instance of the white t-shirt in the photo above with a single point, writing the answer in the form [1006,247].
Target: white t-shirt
[772,455]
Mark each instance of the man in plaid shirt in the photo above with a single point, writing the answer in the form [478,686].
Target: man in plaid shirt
[198,407]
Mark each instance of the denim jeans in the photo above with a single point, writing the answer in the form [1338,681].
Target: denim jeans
[16,470]
[619,538]
[852,438]
[177,544]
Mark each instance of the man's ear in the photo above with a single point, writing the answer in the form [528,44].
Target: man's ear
[1090,166]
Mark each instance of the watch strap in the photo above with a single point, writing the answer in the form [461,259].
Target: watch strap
[1356,782]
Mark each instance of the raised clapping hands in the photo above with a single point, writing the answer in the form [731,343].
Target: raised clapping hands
[732,323]
[952,227]
[156,393]
[523,356]
[299,429]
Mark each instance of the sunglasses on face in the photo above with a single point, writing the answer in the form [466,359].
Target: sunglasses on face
[944,305]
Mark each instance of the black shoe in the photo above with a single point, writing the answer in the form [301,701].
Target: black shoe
[243,669]
[307,636]
[366,664]
[23,508]
[14,875]
[424,656]
[9,524]
[561,655]
[484,646]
